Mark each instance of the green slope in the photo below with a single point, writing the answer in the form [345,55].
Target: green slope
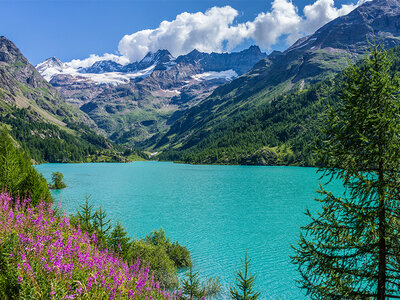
[277,94]
[283,132]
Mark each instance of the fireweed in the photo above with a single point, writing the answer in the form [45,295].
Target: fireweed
[55,260]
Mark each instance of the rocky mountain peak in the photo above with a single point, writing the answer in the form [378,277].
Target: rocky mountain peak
[103,66]
[160,57]
[252,49]
[377,18]
[52,62]
[9,53]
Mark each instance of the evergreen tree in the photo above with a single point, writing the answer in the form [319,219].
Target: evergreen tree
[191,287]
[86,216]
[244,283]
[17,175]
[119,240]
[101,225]
[350,250]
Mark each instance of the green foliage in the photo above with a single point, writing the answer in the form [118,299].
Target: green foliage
[163,256]
[244,283]
[156,250]
[9,285]
[85,216]
[192,288]
[57,181]
[158,260]
[255,135]
[102,226]
[118,241]
[180,255]
[350,249]
[17,175]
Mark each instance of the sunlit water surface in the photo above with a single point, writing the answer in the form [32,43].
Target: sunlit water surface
[218,212]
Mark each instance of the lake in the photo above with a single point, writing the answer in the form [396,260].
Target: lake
[217,212]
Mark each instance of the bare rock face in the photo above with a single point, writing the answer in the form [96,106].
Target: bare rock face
[135,101]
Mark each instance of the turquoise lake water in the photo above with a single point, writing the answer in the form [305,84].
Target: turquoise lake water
[218,212]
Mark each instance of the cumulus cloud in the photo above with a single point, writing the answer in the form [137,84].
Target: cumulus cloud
[206,32]
[216,30]
[281,20]
[321,12]
[285,20]
[87,62]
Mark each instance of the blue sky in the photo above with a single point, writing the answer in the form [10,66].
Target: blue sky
[75,29]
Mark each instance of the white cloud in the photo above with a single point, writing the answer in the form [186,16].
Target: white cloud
[284,20]
[321,12]
[87,62]
[281,20]
[206,32]
[216,30]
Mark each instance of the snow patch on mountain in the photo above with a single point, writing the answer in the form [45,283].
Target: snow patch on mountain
[48,69]
[227,75]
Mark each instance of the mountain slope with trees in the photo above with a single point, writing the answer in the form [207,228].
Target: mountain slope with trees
[266,96]
[40,120]
[284,132]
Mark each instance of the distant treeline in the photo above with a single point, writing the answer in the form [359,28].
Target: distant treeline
[46,142]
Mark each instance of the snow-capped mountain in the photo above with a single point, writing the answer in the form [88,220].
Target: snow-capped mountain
[110,72]
[153,90]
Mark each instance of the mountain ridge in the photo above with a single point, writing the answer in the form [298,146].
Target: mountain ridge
[312,59]
[146,96]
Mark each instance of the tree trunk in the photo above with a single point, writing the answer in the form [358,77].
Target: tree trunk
[382,232]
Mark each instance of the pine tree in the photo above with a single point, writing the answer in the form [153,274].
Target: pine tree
[86,215]
[244,283]
[351,249]
[101,225]
[119,240]
[17,175]
[191,287]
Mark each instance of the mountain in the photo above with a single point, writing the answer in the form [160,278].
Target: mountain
[133,102]
[201,133]
[22,86]
[38,117]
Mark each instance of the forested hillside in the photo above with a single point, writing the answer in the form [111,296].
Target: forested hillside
[284,132]
[268,115]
